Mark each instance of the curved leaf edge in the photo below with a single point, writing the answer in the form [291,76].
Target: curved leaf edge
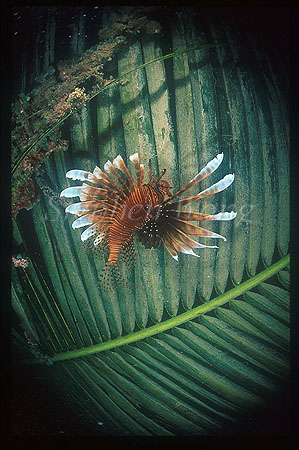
[172,322]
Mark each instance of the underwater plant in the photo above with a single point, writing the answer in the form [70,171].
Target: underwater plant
[197,346]
[56,98]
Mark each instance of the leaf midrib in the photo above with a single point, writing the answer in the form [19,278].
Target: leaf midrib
[174,321]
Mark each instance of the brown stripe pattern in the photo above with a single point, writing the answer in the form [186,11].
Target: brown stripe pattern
[118,207]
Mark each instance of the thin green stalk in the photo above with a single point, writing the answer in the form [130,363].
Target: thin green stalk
[60,121]
[174,321]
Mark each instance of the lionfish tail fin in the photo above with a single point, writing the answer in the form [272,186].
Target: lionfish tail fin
[106,281]
[110,278]
[128,254]
[120,280]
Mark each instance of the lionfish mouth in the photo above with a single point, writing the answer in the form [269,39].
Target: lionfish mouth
[109,200]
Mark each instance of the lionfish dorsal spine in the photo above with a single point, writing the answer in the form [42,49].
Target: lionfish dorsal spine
[119,163]
[139,172]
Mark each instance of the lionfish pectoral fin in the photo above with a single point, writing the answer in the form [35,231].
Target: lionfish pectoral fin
[189,251]
[195,216]
[82,175]
[170,248]
[174,231]
[221,185]
[204,173]
[74,191]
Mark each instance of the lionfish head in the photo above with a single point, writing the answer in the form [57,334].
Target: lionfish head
[163,186]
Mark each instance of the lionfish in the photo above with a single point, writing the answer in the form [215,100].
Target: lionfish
[117,207]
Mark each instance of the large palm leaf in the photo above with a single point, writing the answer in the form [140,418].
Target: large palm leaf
[181,351]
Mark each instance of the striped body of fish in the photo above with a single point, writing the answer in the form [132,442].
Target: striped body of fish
[117,207]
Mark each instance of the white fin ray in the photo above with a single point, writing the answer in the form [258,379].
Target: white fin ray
[107,166]
[204,173]
[79,208]
[74,208]
[74,191]
[117,161]
[138,169]
[77,174]
[134,158]
[98,173]
[223,216]
[82,221]
[189,251]
[210,246]
[119,164]
[217,187]
[90,231]
[209,168]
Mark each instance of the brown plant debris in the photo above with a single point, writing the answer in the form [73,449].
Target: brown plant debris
[61,92]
